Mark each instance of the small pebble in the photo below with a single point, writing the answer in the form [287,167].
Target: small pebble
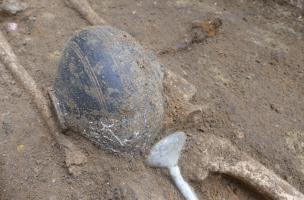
[20,148]
[12,27]
[240,135]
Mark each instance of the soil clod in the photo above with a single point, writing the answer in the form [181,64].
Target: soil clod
[13,7]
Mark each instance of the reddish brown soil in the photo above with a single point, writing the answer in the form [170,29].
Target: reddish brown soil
[249,78]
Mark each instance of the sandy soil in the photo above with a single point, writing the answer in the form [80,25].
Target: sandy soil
[249,79]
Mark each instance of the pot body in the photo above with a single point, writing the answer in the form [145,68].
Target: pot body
[109,89]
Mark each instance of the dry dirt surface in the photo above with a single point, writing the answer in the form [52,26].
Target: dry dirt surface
[249,78]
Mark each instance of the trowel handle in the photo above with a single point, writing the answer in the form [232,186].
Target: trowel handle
[181,184]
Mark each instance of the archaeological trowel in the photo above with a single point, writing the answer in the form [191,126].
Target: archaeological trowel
[165,154]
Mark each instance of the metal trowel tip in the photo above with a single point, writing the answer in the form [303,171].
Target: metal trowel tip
[167,151]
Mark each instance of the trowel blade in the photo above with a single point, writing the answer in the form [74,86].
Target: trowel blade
[166,152]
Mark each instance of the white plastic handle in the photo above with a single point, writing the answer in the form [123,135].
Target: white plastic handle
[181,184]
